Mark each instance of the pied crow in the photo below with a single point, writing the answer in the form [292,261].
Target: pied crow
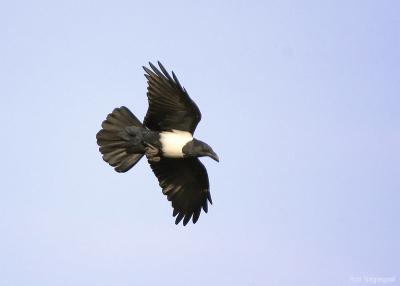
[166,138]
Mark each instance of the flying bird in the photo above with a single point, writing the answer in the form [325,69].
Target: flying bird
[166,138]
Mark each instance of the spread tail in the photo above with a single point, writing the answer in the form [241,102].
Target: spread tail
[118,139]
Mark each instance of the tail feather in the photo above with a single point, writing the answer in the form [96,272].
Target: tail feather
[116,143]
[128,162]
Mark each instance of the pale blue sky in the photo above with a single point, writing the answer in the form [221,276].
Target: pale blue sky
[300,99]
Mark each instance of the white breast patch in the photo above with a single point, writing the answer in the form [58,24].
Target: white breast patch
[173,142]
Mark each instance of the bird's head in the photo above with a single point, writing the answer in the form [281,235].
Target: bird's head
[197,148]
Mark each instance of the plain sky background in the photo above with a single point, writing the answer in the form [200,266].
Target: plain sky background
[300,99]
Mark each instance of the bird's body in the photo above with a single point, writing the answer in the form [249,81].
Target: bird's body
[166,138]
[173,142]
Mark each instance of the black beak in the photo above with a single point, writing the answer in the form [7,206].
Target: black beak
[213,155]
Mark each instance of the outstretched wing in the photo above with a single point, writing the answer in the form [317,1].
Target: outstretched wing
[185,183]
[170,106]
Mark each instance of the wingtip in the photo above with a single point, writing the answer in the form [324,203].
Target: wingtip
[152,66]
[146,69]
[205,207]
[186,220]
[209,197]
[196,215]
[179,218]
[160,64]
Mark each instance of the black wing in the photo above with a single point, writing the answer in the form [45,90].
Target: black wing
[170,106]
[185,183]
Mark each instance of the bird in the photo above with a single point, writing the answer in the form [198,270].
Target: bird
[166,139]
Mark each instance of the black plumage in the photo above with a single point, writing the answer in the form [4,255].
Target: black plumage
[185,183]
[114,141]
[170,106]
[166,138]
